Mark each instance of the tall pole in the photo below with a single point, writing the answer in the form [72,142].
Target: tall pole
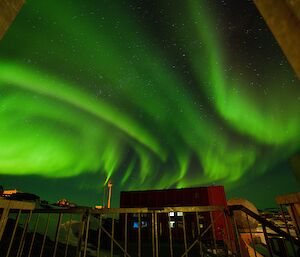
[104,196]
[109,185]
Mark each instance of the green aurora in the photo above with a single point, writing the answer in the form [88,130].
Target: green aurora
[105,88]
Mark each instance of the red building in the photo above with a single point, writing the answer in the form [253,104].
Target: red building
[200,196]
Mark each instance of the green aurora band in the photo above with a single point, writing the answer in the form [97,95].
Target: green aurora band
[86,89]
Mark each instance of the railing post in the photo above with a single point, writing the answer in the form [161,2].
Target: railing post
[68,236]
[13,234]
[292,206]
[237,234]
[288,230]
[153,233]
[57,234]
[112,237]
[184,235]
[33,236]
[199,234]
[267,240]
[253,243]
[213,232]
[139,235]
[99,236]
[87,227]
[45,235]
[22,241]
[228,234]
[80,234]
[156,233]
[3,220]
[170,235]
[125,233]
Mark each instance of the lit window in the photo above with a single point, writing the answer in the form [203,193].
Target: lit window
[135,225]
[172,224]
[171,214]
[180,213]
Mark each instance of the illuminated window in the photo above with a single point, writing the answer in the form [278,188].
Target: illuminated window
[172,224]
[171,214]
[135,225]
[180,213]
[144,224]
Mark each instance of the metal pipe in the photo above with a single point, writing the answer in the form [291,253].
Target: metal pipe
[45,235]
[13,234]
[33,236]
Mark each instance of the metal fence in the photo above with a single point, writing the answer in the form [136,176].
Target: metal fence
[169,231]
[262,237]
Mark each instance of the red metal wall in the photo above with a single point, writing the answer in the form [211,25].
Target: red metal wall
[200,196]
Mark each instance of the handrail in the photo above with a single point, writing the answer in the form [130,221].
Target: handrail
[131,210]
[264,222]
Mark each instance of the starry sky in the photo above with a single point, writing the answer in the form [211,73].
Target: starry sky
[150,94]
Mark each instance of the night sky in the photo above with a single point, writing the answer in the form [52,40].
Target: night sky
[150,94]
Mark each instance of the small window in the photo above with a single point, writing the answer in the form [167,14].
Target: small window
[135,225]
[171,214]
[180,213]
[172,224]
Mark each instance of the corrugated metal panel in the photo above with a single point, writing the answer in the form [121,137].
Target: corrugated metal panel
[202,196]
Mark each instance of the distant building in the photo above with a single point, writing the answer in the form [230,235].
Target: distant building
[9,192]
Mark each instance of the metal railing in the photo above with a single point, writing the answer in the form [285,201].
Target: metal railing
[169,231]
[272,240]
